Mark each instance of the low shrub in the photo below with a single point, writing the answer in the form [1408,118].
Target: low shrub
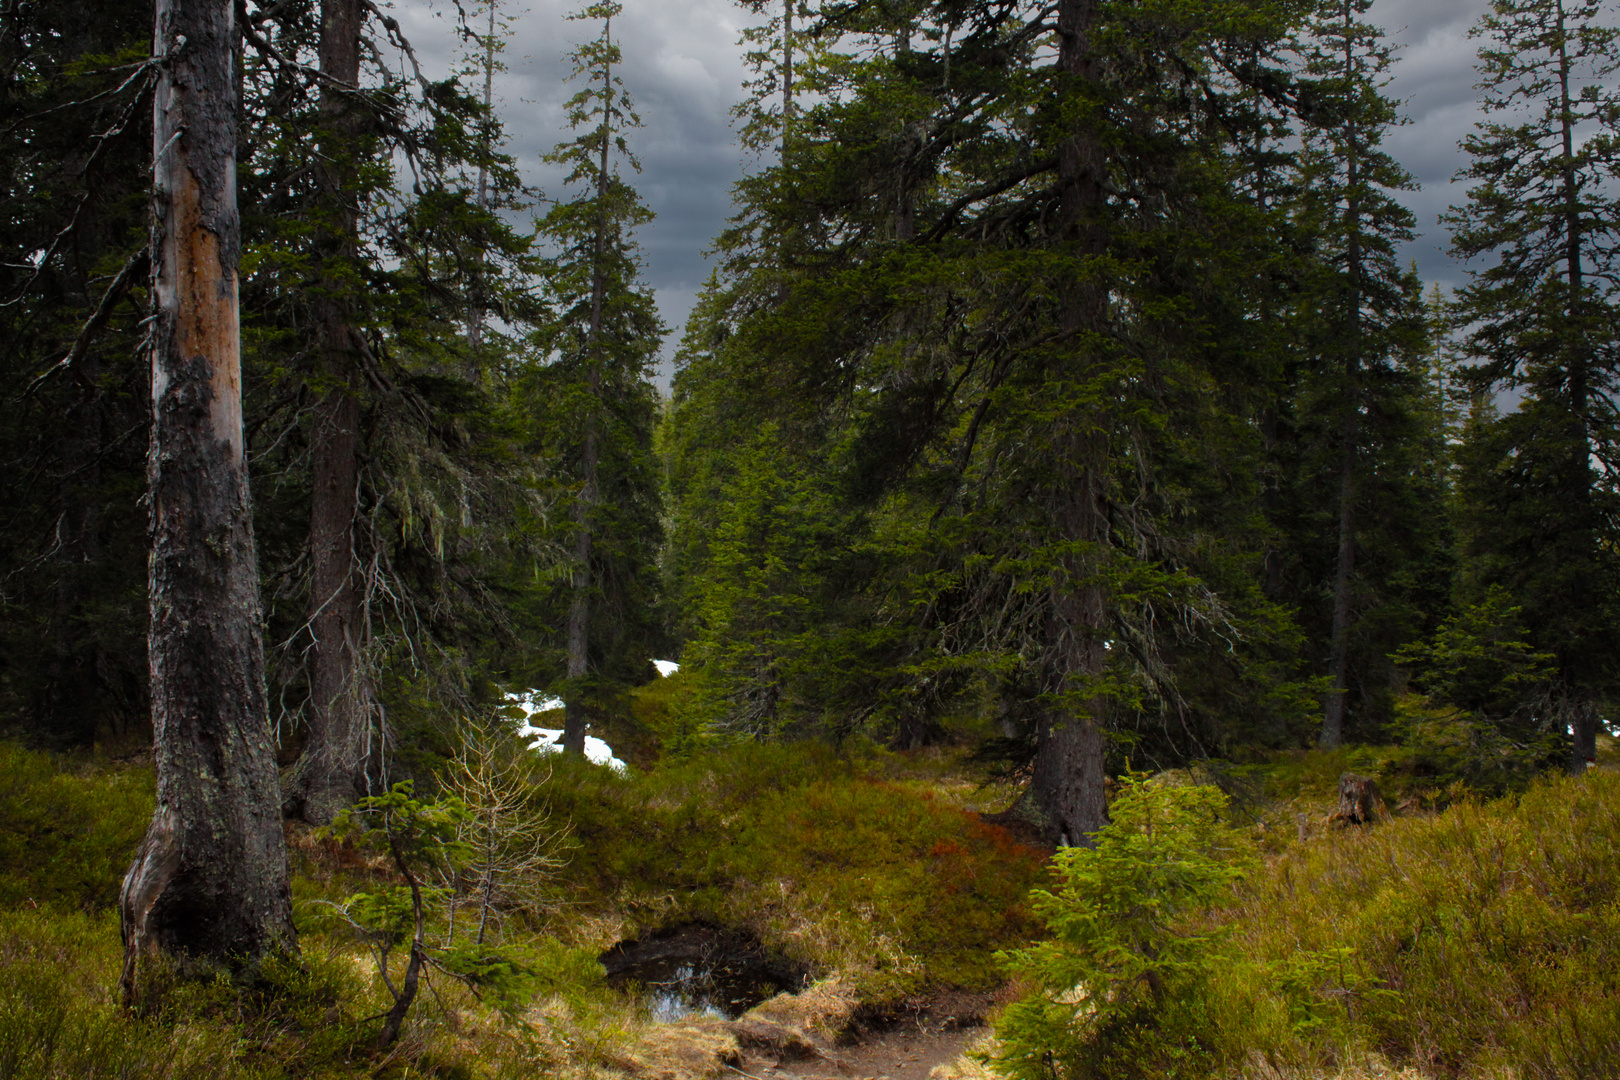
[1484,937]
[58,1018]
[818,851]
[1484,940]
[66,835]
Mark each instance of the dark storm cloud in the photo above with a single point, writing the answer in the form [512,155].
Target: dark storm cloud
[684,70]
[1434,78]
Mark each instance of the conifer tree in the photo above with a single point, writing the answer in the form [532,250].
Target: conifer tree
[1021,391]
[393,489]
[76,149]
[603,343]
[1542,323]
[1368,302]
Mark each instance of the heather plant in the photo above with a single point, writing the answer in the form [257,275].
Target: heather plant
[1483,938]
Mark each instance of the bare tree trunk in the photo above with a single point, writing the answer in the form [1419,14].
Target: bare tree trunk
[208,889]
[1068,782]
[341,757]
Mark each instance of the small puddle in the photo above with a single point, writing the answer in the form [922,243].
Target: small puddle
[699,971]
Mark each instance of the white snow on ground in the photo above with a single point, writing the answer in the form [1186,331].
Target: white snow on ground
[547,740]
[666,667]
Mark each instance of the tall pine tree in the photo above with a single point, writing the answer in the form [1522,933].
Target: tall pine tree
[1539,505]
[602,346]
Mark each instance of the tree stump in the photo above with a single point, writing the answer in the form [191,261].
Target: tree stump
[1359,803]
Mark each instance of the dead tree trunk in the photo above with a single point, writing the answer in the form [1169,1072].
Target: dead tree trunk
[341,757]
[208,889]
[1068,781]
[1359,803]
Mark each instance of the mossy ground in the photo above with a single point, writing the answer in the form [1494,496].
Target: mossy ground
[1481,938]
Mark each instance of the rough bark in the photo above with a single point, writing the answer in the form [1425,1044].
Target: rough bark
[1068,780]
[1359,803]
[208,889]
[341,756]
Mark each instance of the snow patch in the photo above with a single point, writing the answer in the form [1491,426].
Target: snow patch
[666,667]
[549,740]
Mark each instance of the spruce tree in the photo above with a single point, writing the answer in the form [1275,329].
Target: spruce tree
[1541,322]
[603,342]
[997,306]
[1363,306]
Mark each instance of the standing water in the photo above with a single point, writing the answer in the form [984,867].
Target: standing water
[699,971]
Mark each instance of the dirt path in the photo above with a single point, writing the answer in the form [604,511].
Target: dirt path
[900,1054]
[909,1047]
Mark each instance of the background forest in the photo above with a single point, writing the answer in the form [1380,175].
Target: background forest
[1059,406]
[942,364]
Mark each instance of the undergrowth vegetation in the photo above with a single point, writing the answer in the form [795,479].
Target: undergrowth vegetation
[858,862]
[1202,936]
[1479,941]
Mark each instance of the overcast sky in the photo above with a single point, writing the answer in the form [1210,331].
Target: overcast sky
[685,71]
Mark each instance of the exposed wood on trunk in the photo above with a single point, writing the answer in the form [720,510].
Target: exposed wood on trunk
[1359,803]
[342,756]
[208,888]
[1068,781]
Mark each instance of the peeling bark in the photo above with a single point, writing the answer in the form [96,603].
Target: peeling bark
[208,889]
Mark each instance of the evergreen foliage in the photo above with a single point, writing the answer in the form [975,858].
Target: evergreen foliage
[1119,984]
[1536,488]
[595,398]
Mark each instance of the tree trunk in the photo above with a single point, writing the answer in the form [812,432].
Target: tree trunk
[1359,803]
[1583,725]
[208,889]
[1068,781]
[787,75]
[576,718]
[342,754]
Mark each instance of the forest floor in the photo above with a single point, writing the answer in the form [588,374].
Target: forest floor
[932,1034]
[1489,925]
[909,1052]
